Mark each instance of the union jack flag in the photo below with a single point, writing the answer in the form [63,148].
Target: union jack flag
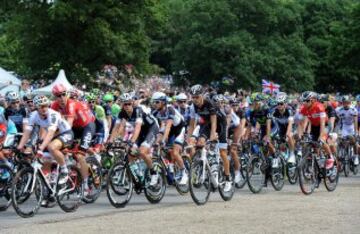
[270,87]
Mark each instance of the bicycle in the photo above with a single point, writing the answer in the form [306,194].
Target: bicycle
[312,168]
[32,181]
[206,171]
[346,156]
[126,176]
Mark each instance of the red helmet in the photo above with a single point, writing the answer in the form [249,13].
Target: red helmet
[58,89]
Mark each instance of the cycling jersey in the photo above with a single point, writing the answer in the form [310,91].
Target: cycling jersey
[282,120]
[346,117]
[204,112]
[79,110]
[139,115]
[17,116]
[53,121]
[185,112]
[170,113]
[314,113]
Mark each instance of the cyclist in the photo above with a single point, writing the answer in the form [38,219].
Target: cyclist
[108,100]
[183,107]
[213,126]
[82,121]
[348,120]
[172,130]
[15,112]
[313,112]
[102,128]
[58,133]
[283,116]
[145,130]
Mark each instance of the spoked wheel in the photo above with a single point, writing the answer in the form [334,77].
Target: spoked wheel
[347,159]
[94,181]
[154,194]
[119,186]
[200,186]
[225,195]
[26,192]
[332,177]
[6,175]
[183,189]
[292,173]
[69,195]
[255,174]
[243,167]
[307,174]
[277,175]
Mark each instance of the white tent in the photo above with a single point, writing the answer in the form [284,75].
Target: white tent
[8,82]
[61,79]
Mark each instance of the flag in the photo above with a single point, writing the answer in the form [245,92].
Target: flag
[270,87]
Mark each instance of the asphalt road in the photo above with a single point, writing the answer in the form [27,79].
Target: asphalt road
[287,211]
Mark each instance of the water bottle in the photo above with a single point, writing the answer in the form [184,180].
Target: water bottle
[140,169]
[322,161]
[133,168]
[170,171]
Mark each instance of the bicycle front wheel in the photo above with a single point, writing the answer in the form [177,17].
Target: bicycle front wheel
[307,174]
[255,174]
[200,186]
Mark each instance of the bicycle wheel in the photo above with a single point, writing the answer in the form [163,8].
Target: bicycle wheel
[156,193]
[332,177]
[255,174]
[94,181]
[200,186]
[292,173]
[69,195]
[182,189]
[226,196]
[307,176]
[277,175]
[119,186]
[244,161]
[347,162]
[26,192]
[6,176]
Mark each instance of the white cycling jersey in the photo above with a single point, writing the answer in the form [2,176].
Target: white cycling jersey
[346,122]
[53,121]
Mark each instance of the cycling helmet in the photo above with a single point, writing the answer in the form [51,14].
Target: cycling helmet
[159,96]
[233,100]
[74,93]
[58,89]
[281,97]
[308,95]
[181,97]
[257,97]
[272,102]
[108,97]
[90,97]
[346,98]
[358,98]
[12,96]
[28,97]
[126,97]
[41,100]
[323,97]
[196,90]
[218,98]
[96,91]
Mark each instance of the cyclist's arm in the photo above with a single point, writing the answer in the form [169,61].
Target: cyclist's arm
[136,133]
[47,139]
[331,124]
[268,128]
[168,125]
[117,130]
[322,127]
[290,126]
[356,124]
[25,137]
[213,127]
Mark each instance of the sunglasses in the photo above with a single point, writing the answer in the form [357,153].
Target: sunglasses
[157,102]
[127,104]
[181,101]
[307,101]
[61,95]
[28,102]
[195,97]
[91,102]
[281,103]
[17,102]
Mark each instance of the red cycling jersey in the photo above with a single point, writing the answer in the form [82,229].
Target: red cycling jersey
[314,113]
[79,110]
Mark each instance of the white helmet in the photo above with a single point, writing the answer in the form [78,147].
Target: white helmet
[12,96]
[196,90]
[41,100]
[159,96]
[181,97]
[126,97]
[281,97]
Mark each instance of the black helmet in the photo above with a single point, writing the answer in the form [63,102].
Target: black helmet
[308,95]
[196,90]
